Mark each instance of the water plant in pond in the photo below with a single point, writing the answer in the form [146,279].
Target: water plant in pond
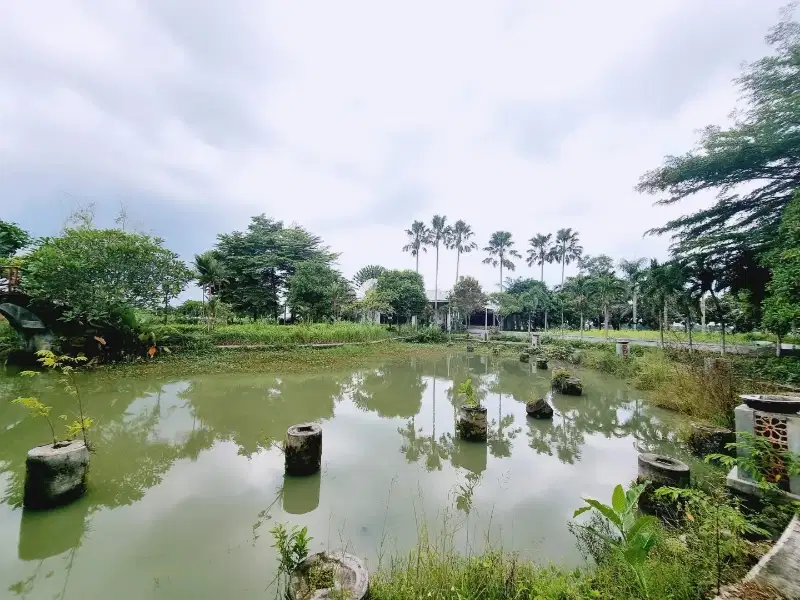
[65,365]
[634,536]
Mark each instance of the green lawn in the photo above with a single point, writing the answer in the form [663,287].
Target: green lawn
[676,336]
[319,333]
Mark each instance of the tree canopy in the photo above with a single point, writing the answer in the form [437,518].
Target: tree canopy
[403,291]
[12,239]
[467,296]
[97,274]
[782,306]
[258,263]
[317,291]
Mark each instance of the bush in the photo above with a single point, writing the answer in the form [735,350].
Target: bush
[427,335]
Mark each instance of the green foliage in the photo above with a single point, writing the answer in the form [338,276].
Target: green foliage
[37,409]
[782,306]
[540,251]
[427,335]
[98,274]
[559,379]
[770,467]
[65,366]
[467,389]
[467,296]
[12,239]
[417,240]
[367,273]
[499,249]
[316,291]
[635,536]
[290,335]
[257,263]
[566,248]
[403,291]
[292,546]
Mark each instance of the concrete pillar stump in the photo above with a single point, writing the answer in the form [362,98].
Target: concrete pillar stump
[303,449]
[334,574]
[472,424]
[539,409]
[55,474]
[541,363]
[710,439]
[623,348]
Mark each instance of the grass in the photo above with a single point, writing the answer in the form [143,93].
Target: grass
[285,360]
[677,336]
[282,335]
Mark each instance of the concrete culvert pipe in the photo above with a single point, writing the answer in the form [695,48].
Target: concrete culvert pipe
[55,474]
[663,470]
[303,449]
[334,574]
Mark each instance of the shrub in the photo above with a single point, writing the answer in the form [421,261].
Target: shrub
[427,335]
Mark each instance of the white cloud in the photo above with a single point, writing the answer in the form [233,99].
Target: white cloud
[355,118]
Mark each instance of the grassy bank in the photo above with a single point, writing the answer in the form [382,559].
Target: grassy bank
[285,360]
[678,336]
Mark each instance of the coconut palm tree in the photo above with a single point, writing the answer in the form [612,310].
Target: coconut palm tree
[417,239]
[459,241]
[540,251]
[634,271]
[662,282]
[607,289]
[439,233]
[500,247]
[565,250]
[210,276]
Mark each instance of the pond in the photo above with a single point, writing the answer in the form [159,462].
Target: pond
[187,479]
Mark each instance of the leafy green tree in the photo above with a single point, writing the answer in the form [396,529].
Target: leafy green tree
[98,274]
[594,266]
[460,241]
[439,233]
[633,271]
[258,263]
[753,165]
[210,276]
[500,247]
[417,240]
[467,296]
[403,291]
[606,291]
[782,306]
[12,239]
[540,251]
[367,273]
[315,290]
[579,290]
[661,284]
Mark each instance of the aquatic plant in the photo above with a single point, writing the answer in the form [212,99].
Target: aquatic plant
[467,389]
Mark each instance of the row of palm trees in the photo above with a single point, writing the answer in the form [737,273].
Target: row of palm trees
[562,249]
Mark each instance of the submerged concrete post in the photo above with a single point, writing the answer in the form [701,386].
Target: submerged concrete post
[623,348]
[55,474]
[472,424]
[524,357]
[303,449]
[710,439]
[535,339]
[541,363]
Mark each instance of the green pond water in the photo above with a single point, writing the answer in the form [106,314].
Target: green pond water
[186,483]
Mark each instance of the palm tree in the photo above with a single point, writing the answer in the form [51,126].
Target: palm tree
[500,247]
[634,271]
[365,274]
[417,239]
[607,289]
[661,283]
[210,276]
[438,233]
[579,288]
[540,251]
[565,250]
[459,241]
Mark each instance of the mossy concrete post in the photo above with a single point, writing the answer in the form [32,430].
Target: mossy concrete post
[710,439]
[55,474]
[524,357]
[303,449]
[539,409]
[472,424]
[470,348]
[660,471]
[623,348]
[541,363]
[332,574]
[535,340]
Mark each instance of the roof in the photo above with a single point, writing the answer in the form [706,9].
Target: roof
[431,295]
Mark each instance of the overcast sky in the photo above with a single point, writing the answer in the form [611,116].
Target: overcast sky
[355,118]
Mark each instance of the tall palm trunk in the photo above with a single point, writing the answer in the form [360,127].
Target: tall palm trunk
[563,264]
[436,288]
[581,323]
[542,275]
[635,298]
[689,324]
[605,318]
[458,261]
[417,261]
[661,319]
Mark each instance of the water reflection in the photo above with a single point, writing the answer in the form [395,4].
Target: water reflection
[181,465]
